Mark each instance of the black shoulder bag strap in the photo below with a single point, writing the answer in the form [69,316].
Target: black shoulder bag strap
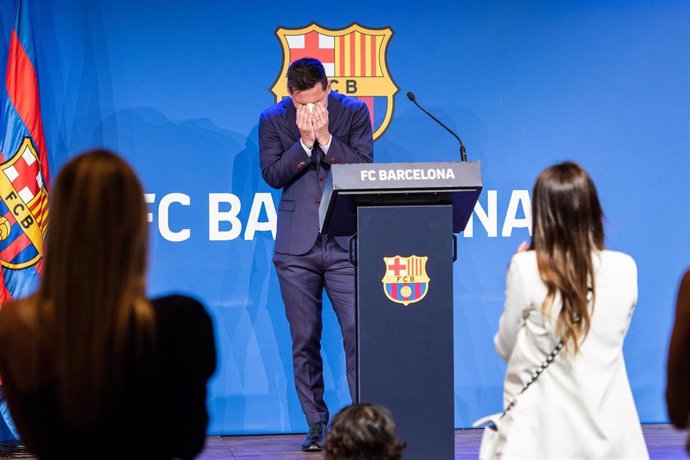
[535,375]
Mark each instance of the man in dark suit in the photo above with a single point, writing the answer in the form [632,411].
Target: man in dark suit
[299,139]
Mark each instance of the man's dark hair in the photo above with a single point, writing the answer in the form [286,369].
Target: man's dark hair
[305,73]
[363,432]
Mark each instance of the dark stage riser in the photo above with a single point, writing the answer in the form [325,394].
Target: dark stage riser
[405,352]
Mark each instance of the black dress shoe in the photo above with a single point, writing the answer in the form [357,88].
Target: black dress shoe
[316,438]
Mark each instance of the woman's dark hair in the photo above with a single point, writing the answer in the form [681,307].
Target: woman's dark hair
[305,73]
[363,432]
[566,229]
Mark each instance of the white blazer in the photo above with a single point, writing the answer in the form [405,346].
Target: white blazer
[581,406]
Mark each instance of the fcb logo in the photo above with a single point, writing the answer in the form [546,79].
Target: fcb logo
[405,280]
[355,62]
[23,208]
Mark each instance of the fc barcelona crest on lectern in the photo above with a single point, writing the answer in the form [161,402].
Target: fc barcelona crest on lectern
[405,280]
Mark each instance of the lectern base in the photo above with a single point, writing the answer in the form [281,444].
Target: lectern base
[405,322]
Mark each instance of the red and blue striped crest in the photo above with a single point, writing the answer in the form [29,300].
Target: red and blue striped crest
[355,62]
[405,280]
[23,208]
[24,176]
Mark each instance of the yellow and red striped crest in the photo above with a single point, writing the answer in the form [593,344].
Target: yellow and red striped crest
[355,63]
[23,208]
[405,280]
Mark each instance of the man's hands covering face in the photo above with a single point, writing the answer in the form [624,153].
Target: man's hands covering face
[313,125]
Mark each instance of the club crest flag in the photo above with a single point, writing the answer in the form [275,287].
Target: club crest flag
[23,167]
[355,62]
[405,280]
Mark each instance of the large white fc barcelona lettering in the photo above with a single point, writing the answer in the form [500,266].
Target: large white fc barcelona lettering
[225,222]
[517,215]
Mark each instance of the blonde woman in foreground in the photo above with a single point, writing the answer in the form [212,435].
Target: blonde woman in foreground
[90,367]
[567,289]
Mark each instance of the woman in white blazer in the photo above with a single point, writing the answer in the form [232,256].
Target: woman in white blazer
[566,288]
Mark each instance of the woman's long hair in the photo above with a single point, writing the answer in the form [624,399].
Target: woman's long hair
[566,229]
[92,296]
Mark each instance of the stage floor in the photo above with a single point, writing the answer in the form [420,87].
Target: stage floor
[663,442]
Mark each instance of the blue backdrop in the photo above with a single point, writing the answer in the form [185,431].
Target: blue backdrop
[177,87]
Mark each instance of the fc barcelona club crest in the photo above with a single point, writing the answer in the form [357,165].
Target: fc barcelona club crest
[405,280]
[355,63]
[23,208]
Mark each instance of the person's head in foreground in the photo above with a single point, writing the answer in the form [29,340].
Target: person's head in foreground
[363,432]
[566,228]
[91,301]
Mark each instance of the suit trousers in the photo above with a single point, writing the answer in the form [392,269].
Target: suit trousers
[302,281]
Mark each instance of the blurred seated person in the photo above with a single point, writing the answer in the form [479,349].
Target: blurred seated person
[678,369]
[363,432]
[90,367]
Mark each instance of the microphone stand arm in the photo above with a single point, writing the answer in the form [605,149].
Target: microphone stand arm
[463,153]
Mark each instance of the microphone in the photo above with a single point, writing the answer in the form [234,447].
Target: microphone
[463,153]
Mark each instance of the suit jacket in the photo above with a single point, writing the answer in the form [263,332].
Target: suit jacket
[582,405]
[285,164]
